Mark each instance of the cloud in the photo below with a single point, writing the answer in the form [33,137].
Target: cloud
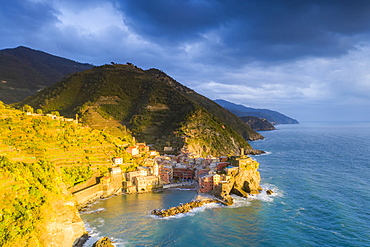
[253,30]
[22,20]
[297,87]
[287,55]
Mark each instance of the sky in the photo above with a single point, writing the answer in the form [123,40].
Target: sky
[309,60]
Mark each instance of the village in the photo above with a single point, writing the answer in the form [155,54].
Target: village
[160,171]
[166,171]
[186,169]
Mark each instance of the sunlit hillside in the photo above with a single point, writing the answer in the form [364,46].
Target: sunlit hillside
[60,141]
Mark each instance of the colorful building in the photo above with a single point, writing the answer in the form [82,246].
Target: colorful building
[183,173]
[208,182]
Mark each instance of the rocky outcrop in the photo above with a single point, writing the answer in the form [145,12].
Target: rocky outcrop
[64,225]
[182,209]
[103,242]
[257,124]
[241,180]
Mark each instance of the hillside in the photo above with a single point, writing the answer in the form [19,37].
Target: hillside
[273,117]
[24,71]
[155,107]
[35,208]
[65,144]
[40,158]
[257,124]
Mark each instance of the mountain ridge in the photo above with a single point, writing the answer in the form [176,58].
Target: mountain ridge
[156,108]
[24,71]
[273,117]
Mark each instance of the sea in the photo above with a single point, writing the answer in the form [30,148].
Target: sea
[320,175]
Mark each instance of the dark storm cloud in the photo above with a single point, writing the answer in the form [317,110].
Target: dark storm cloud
[19,18]
[297,57]
[172,21]
[255,30]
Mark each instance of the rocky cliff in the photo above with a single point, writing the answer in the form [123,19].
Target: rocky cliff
[64,225]
[242,180]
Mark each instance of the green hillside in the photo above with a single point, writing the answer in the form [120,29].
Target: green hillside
[151,104]
[24,71]
[78,151]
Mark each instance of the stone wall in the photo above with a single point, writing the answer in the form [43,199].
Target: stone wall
[90,193]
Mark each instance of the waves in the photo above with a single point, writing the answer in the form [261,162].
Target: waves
[263,154]
[192,212]
[238,202]
[95,234]
[93,211]
[319,177]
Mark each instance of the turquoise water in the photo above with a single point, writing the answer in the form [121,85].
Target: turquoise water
[319,171]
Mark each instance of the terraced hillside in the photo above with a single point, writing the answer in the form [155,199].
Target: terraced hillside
[63,143]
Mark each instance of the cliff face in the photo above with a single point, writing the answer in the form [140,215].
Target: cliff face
[65,227]
[242,180]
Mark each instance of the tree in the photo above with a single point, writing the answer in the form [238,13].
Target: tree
[28,108]
[56,113]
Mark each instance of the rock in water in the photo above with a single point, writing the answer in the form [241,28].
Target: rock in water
[103,242]
[269,192]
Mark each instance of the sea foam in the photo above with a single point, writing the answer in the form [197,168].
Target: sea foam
[95,235]
[94,211]
[191,212]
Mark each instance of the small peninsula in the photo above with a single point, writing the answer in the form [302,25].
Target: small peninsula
[217,181]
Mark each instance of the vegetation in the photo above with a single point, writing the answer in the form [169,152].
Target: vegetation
[73,175]
[27,190]
[40,158]
[24,71]
[151,104]
[207,135]
[28,138]
[76,149]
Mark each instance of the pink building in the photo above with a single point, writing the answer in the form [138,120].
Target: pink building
[183,173]
[208,182]
[202,172]
[221,165]
[165,174]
